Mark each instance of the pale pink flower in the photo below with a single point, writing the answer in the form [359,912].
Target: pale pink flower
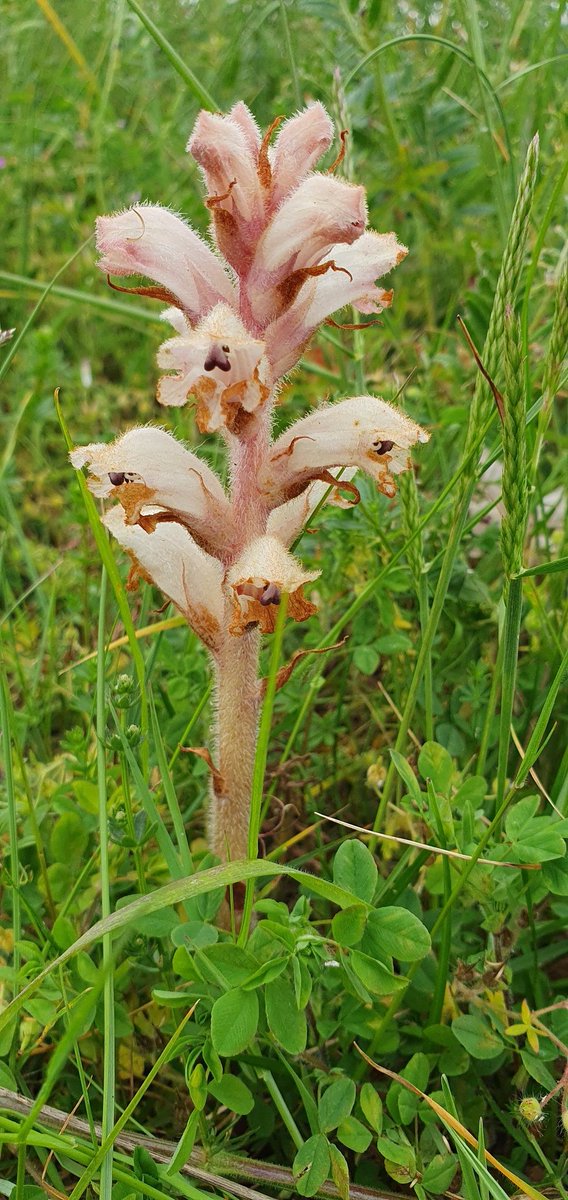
[222,366]
[148,467]
[363,432]
[169,558]
[258,578]
[351,281]
[300,144]
[152,241]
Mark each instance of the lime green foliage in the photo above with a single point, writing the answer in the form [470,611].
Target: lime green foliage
[134,1010]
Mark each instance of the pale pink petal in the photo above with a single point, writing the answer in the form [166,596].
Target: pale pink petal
[184,573]
[301,142]
[297,243]
[288,520]
[177,319]
[223,150]
[152,241]
[220,364]
[243,117]
[147,467]
[363,432]
[263,572]
[353,282]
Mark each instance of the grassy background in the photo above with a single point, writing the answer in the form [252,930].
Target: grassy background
[441,102]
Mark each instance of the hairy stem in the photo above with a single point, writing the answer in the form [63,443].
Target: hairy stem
[236,727]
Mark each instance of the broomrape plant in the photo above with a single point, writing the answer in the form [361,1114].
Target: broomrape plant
[292,247]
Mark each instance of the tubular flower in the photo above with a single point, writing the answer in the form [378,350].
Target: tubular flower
[259,577]
[291,248]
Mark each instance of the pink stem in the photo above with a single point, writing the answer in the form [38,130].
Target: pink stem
[237,701]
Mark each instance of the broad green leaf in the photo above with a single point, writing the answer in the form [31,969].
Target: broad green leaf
[285,1020]
[439,1173]
[234,1021]
[366,659]
[520,815]
[397,1152]
[399,933]
[311,1165]
[554,876]
[233,963]
[234,1094]
[537,1070]
[374,975]
[402,1103]
[335,1103]
[68,840]
[339,1171]
[435,763]
[477,1036]
[266,973]
[185,1144]
[407,775]
[348,925]
[371,1107]
[355,869]
[354,1135]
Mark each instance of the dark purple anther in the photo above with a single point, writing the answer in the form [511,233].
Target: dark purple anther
[270,595]
[217,357]
[116,478]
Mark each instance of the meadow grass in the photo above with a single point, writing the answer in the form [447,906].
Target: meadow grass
[143,1051]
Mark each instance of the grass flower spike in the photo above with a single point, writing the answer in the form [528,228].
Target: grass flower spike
[291,248]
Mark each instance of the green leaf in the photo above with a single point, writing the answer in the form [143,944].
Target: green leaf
[348,925]
[68,840]
[233,963]
[371,1107]
[185,1144]
[311,1165]
[477,1036]
[285,1020]
[234,1094]
[399,933]
[407,775]
[402,1103]
[86,795]
[352,1133]
[234,1021]
[435,763]
[537,1070]
[197,1087]
[355,869]
[366,659]
[266,973]
[335,1103]
[554,876]
[339,1171]
[374,975]
[439,1173]
[397,1152]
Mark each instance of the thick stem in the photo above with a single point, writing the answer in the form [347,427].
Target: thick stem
[237,697]
[236,713]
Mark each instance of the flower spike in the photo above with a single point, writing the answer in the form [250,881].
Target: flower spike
[292,250]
